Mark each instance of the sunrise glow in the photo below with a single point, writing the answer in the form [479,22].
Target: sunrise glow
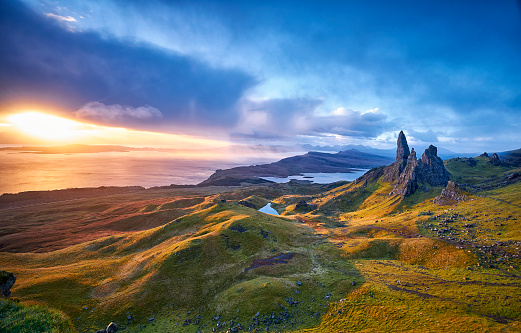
[51,129]
[45,126]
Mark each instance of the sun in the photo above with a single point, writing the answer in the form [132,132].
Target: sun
[45,126]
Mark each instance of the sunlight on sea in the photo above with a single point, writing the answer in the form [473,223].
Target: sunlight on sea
[36,172]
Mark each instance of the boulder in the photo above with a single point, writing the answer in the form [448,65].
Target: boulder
[112,328]
[7,280]
[514,176]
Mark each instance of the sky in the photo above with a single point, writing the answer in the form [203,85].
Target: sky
[448,73]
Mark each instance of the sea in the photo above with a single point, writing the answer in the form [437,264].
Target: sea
[29,171]
[24,171]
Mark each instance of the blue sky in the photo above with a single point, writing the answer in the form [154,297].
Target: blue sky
[320,72]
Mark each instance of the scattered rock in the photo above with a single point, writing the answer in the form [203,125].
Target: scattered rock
[302,205]
[247,204]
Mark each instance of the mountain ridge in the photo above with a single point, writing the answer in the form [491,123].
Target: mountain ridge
[311,162]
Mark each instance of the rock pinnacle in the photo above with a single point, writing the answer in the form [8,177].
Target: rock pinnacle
[402,152]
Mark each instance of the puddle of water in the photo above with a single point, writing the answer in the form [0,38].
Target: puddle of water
[268,210]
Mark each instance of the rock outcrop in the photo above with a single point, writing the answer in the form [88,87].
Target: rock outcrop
[451,195]
[407,172]
[7,281]
[431,168]
[494,160]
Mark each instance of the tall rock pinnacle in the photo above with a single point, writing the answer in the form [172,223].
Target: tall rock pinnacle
[402,152]
[393,171]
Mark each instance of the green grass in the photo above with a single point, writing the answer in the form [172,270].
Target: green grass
[461,172]
[19,318]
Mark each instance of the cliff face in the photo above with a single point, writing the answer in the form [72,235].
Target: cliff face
[408,172]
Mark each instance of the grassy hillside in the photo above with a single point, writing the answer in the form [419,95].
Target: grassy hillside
[19,318]
[345,257]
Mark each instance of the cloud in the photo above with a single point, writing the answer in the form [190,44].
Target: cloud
[97,110]
[61,18]
[289,117]
[46,64]
[347,122]
[428,136]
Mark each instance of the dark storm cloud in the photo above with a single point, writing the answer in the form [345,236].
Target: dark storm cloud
[41,61]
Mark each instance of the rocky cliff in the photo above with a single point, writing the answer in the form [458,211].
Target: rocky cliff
[407,172]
